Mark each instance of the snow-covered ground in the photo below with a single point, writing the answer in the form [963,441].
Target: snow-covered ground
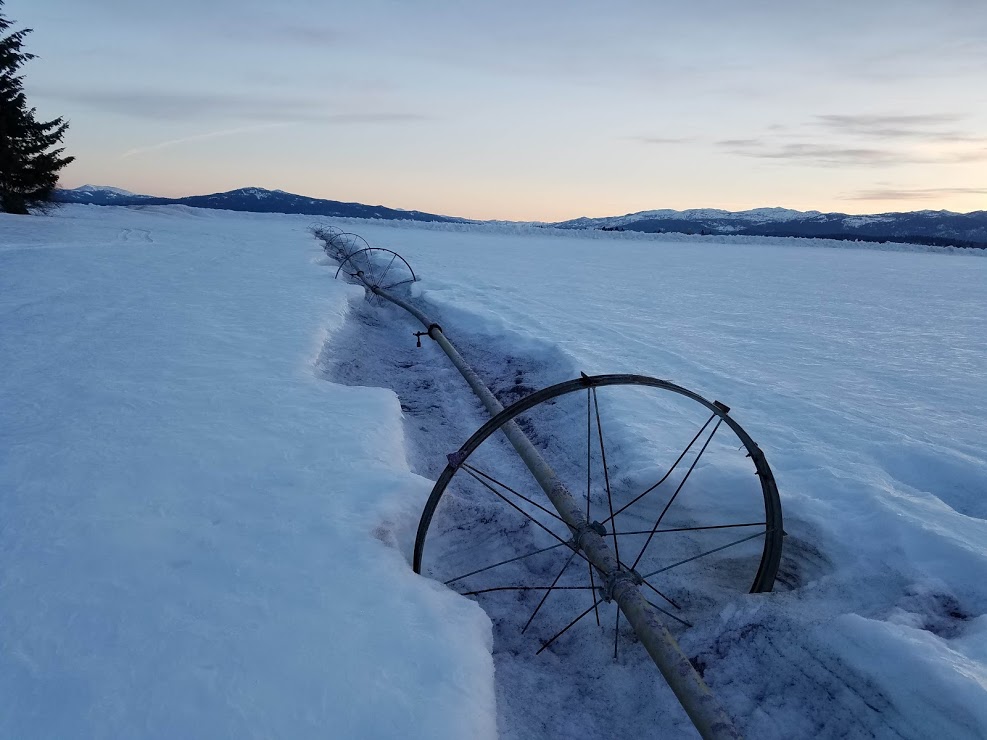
[187,512]
[207,495]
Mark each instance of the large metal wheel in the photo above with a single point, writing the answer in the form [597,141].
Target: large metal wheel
[684,495]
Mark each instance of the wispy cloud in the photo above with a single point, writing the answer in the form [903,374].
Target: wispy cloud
[927,127]
[739,143]
[661,140]
[822,154]
[838,156]
[869,121]
[836,140]
[200,137]
[344,118]
[337,119]
[910,194]
[265,109]
[317,36]
[226,22]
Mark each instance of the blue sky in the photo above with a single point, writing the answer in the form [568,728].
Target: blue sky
[524,110]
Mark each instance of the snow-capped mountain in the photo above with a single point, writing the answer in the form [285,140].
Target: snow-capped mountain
[923,227]
[102,189]
[96,194]
[756,215]
[257,200]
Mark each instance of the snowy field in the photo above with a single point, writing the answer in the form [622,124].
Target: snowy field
[213,457]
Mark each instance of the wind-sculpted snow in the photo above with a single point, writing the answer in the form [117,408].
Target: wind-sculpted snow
[207,504]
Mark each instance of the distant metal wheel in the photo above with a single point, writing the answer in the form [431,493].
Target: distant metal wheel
[380,268]
[700,524]
[336,242]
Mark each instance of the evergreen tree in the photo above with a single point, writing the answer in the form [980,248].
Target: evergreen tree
[29,159]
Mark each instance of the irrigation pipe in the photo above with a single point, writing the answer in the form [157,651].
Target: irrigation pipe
[620,583]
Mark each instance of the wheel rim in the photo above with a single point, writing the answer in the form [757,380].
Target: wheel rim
[649,550]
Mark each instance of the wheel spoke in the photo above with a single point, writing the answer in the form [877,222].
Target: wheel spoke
[668,473]
[675,495]
[525,588]
[694,529]
[567,627]
[402,282]
[708,552]
[668,613]
[589,463]
[504,562]
[606,472]
[592,585]
[369,257]
[543,598]
[589,457]
[514,506]
[373,272]
[506,487]
[616,633]
[384,274]
[666,598]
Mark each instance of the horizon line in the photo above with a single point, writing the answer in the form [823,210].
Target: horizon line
[575,218]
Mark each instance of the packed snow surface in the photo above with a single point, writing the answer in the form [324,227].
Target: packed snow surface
[187,513]
[204,533]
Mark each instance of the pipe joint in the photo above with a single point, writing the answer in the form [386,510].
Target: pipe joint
[616,584]
[578,534]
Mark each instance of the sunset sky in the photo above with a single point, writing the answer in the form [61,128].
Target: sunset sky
[524,110]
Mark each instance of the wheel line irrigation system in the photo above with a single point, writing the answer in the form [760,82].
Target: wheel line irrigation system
[617,582]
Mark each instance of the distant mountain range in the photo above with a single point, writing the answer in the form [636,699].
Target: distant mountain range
[254,200]
[938,228]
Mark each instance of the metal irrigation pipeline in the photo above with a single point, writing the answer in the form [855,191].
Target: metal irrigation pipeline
[611,578]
